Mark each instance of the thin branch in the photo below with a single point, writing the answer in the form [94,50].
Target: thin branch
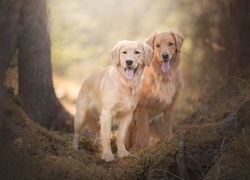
[236,77]
[175,175]
[194,171]
[246,140]
[206,118]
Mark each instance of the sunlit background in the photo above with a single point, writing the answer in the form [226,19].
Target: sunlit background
[84,31]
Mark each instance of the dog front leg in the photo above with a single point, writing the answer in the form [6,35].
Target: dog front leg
[79,123]
[105,121]
[168,122]
[122,131]
[142,123]
[131,135]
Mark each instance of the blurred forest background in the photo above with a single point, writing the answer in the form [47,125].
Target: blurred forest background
[84,31]
[214,60]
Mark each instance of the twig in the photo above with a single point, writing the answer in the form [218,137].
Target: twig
[175,175]
[221,147]
[194,171]
[206,118]
[246,140]
[245,81]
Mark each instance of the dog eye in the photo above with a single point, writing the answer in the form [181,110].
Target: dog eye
[124,52]
[170,44]
[137,52]
[158,45]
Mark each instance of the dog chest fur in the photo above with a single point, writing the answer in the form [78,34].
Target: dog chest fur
[126,99]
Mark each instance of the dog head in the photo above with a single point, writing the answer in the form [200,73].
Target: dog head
[166,46]
[131,57]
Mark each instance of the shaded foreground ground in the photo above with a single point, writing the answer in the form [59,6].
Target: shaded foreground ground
[217,150]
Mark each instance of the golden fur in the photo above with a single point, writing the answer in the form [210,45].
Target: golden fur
[159,90]
[112,94]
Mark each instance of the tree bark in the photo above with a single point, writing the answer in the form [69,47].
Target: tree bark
[240,14]
[8,37]
[35,70]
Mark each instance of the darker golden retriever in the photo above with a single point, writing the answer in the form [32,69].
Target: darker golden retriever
[159,91]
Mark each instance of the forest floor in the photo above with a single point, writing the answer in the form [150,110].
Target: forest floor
[213,147]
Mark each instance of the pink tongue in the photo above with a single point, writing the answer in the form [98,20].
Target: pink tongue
[129,73]
[165,66]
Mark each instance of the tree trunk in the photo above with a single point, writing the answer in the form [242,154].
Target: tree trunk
[35,70]
[8,37]
[241,13]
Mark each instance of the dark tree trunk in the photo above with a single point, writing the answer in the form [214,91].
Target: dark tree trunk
[35,70]
[222,30]
[241,14]
[8,37]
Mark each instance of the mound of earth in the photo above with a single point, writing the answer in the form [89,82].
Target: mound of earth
[217,150]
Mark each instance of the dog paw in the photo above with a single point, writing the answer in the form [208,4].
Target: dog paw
[142,144]
[108,156]
[75,144]
[169,137]
[122,153]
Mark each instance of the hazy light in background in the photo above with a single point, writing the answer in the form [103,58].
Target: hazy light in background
[84,31]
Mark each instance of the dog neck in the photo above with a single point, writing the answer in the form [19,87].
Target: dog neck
[134,83]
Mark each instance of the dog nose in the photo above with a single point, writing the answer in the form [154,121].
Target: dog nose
[129,62]
[165,55]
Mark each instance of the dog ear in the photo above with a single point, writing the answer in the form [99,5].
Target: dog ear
[148,54]
[150,41]
[179,41]
[115,53]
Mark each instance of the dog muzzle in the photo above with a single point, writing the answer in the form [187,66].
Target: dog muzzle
[129,73]
[165,66]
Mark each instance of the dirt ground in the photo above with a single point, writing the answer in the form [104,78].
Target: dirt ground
[218,150]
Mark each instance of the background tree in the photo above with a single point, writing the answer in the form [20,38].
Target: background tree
[8,38]
[35,70]
[31,35]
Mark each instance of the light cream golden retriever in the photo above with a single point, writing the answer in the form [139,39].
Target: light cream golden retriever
[112,94]
[159,91]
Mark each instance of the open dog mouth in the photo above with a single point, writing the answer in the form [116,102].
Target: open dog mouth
[129,72]
[165,65]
